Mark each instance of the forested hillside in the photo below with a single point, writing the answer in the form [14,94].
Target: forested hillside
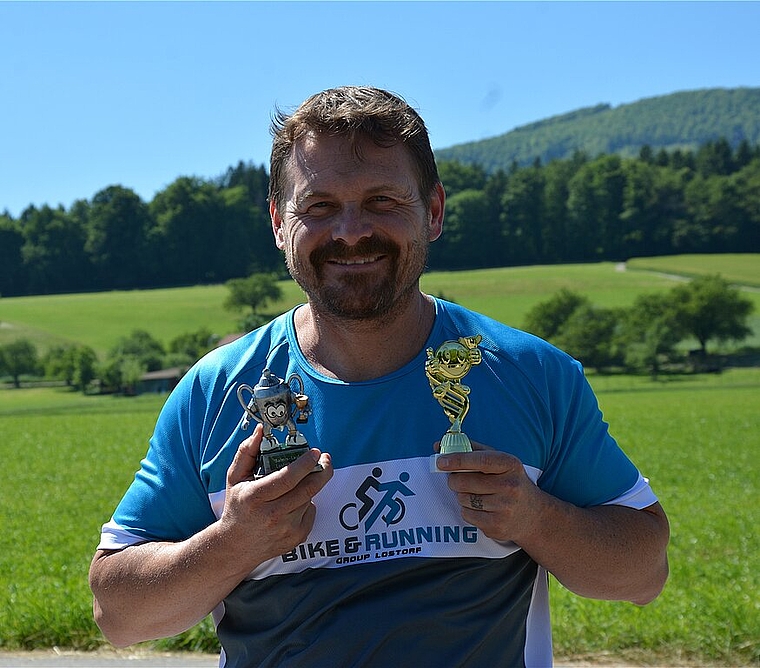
[684,120]
[583,208]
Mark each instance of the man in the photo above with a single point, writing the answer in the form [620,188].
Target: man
[375,559]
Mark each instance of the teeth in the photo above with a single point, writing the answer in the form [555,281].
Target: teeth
[364,260]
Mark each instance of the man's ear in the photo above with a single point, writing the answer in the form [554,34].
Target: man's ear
[279,237]
[437,206]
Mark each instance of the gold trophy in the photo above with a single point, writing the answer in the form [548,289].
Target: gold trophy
[445,369]
[275,404]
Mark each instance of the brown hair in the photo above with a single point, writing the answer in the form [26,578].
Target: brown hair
[353,112]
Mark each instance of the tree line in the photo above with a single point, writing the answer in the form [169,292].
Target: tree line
[583,209]
[605,208]
[644,338]
[195,231]
[79,367]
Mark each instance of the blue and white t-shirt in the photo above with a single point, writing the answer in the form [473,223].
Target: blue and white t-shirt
[390,573]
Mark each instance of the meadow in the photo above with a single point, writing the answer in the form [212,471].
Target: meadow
[67,459]
[99,319]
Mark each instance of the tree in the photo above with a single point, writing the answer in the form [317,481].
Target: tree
[189,347]
[58,363]
[747,188]
[709,308]
[650,332]
[715,158]
[595,203]
[254,292]
[73,363]
[85,367]
[18,358]
[12,270]
[557,175]
[466,242]
[547,319]
[53,251]
[244,243]
[522,215]
[457,176]
[141,346]
[189,217]
[589,336]
[118,227]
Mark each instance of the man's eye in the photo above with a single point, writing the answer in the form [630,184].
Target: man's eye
[320,207]
[381,201]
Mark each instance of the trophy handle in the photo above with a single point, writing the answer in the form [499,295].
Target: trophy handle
[249,407]
[300,400]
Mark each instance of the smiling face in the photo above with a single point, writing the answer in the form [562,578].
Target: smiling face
[355,229]
[276,412]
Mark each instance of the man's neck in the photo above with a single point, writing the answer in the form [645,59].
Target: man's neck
[358,350]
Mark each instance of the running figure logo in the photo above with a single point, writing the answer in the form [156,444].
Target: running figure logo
[386,507]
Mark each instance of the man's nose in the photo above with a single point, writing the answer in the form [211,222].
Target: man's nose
[351,225]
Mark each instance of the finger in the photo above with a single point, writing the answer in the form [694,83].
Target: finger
[303,517]
[299,479]
[244,463]
[481,446]
[474,482]
[485,460]
[474,501]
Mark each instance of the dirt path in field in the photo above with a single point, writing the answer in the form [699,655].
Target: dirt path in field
[105,658]
[55,658]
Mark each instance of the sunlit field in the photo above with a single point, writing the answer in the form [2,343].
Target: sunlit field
[68,458]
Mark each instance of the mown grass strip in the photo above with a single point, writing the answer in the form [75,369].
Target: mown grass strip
[696,438]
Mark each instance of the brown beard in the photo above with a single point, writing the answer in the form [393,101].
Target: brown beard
[360,297]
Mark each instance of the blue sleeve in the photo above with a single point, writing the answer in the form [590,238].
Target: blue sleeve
[585,464]
[168,500]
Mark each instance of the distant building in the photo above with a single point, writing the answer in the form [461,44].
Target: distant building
[228,339]
[163,380]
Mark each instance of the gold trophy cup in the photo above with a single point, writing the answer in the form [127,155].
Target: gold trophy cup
[445,368]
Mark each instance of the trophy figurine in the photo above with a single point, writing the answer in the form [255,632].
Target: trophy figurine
[275,404]
[445,369]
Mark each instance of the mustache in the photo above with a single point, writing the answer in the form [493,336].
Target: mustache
[338,250]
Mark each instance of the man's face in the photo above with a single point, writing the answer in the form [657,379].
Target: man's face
[355,230]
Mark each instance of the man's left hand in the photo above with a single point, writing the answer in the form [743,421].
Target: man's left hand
[494,492]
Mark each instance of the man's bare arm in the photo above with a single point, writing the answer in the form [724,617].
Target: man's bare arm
[153,590]
[606,552]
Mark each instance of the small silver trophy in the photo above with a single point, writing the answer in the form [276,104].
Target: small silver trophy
[275,404]
[445,369]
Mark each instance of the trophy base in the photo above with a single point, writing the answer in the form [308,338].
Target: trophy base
[452,441]
[434,466]
[274,460]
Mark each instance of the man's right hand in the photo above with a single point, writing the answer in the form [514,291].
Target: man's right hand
[271,516]
[158,589]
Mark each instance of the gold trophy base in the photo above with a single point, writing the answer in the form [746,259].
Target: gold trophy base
[274,460]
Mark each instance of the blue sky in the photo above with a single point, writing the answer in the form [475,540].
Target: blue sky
[139,93]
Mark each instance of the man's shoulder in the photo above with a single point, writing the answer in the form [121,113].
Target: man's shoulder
[495,334]
[506,344]
[231,359]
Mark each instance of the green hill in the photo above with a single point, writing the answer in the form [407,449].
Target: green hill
[683,120]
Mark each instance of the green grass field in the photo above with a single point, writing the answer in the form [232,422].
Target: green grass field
[734,267]
[67,459]
[99,319]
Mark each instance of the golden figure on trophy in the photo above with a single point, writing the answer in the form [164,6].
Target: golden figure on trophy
[445,368]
